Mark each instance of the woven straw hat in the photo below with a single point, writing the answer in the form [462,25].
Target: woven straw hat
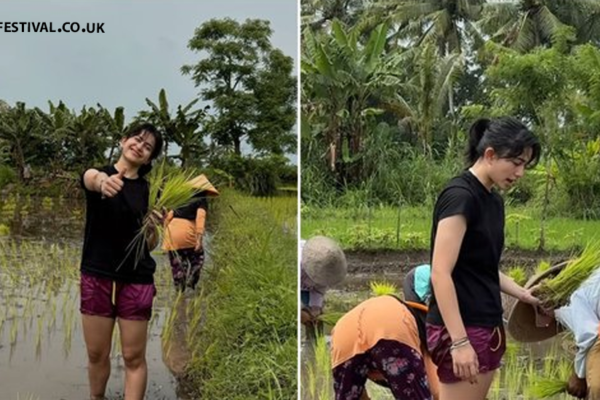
[324,261]
[525,323]
[201,182]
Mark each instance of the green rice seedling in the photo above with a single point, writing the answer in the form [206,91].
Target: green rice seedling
[382,288]
[518,275]
[543,266]
[555,292]
[318,374]
[330,318]
[169,190]
[544,388]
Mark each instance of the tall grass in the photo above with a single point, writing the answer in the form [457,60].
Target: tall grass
[247,347]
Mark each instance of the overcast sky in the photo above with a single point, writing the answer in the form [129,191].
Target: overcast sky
[142,51]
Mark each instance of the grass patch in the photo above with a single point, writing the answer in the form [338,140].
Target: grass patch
[247,348]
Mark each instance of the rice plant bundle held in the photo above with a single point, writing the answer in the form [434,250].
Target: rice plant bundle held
[555,292]
[170,188]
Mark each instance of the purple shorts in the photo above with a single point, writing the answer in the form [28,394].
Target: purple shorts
[103,297]
[488,343]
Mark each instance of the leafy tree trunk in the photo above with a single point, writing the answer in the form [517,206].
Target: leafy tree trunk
[19,160]
[237,146]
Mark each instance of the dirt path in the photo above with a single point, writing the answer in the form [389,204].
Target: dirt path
[378,262]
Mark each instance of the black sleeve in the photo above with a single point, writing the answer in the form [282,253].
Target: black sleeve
[455,201]
[203,203]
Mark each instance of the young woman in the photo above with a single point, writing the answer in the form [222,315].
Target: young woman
[465,329]
[116,284]
[383,339]
[184,233]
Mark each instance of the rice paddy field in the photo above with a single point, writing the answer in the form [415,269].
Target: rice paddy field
[525,365]
[408,228]
[42,353]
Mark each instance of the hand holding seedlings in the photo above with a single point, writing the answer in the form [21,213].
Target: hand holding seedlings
[577,387]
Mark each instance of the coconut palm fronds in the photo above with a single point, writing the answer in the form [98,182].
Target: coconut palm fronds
[555,292]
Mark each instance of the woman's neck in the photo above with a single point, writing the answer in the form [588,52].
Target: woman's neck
[480,172]
[131,170]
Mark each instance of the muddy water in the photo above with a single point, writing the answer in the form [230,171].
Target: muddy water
[42,353]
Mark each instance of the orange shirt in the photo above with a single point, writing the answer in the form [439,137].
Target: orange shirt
[181,233]
[382,317]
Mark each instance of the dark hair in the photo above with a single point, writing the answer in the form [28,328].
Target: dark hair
[158,143]
[508,136]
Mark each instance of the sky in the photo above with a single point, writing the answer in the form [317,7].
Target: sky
[141,51]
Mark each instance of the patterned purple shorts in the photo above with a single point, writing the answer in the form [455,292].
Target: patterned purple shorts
[396,365]
[488,343]
[186,265]
[104,297]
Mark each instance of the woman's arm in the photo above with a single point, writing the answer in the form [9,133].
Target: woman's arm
[108,186]
[512,288]
[448,240]
[200,226]
[93,179]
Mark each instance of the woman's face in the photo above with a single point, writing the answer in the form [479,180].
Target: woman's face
[505,172]
[138,149]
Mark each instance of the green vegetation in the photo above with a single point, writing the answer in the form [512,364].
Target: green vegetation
[389,91]
[409,228]
[247,347]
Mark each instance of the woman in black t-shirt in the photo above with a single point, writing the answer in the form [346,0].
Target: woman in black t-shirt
[117,283]
[465,332]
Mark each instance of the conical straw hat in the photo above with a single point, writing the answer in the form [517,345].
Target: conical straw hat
[324,261]
[525,324]
[201,182]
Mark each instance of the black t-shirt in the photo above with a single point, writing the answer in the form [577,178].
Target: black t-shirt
[476,273]
[110,228]
[190,211]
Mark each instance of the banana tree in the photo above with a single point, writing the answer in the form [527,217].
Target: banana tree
[20,129]
[344,84]
[182,129]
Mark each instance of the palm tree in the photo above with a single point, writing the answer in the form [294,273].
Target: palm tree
[525,24]
[447,23]
[316,13]
[429,92]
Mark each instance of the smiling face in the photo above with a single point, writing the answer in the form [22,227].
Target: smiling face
[138,149]
[506,171]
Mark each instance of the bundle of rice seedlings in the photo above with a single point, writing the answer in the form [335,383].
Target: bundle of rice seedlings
[543,388]
[542,267]
[330,318]
[518,275]
[169,190]
[555,292]
[382,288]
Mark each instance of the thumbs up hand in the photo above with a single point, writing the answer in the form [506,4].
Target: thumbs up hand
[113,184]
